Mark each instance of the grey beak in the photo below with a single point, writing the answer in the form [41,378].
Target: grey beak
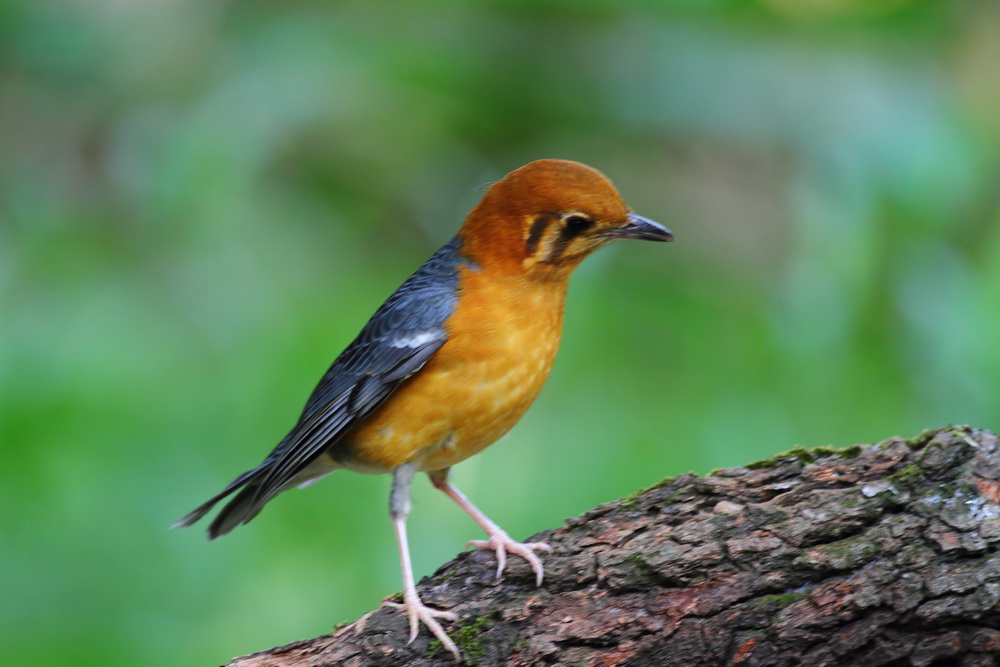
[641,228]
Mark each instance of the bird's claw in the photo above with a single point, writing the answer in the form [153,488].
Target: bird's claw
[417,612]
[501,543]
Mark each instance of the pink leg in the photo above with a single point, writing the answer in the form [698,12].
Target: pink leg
[412,606]
[499,541]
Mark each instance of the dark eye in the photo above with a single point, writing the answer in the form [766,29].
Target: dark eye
[578,223]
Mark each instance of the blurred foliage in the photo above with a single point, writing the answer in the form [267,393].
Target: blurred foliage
[201,202]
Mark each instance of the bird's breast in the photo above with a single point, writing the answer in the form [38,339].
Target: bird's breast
[502,341]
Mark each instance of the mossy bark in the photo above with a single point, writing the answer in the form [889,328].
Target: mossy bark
[878,555]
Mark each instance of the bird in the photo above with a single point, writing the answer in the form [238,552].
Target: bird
[450,362]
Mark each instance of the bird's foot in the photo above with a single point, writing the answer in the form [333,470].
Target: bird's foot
[502,544]
[418,613]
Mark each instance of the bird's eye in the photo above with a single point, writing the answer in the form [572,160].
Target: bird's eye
[577,223]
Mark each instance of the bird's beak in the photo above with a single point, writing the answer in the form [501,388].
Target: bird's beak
[641,228]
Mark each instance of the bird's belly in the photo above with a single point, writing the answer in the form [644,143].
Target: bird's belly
[465,398]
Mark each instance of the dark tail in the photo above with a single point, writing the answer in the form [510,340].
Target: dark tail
[245,506]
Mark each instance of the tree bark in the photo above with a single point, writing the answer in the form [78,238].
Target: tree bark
[880,554]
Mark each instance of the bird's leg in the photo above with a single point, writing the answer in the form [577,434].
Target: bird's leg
[499,541]
[415,610]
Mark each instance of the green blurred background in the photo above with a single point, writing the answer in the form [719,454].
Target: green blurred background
[201,202]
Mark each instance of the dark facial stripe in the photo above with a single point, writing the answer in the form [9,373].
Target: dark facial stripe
[566,236]
[538,228]
[559,247]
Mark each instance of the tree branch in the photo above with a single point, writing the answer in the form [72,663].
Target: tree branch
[881,554]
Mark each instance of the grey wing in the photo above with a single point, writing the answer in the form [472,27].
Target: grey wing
[345,396]
[402,335]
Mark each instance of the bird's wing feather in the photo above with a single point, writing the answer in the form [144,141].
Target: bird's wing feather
[395,343]
[402,335]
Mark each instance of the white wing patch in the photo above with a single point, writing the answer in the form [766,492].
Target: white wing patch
[418,339]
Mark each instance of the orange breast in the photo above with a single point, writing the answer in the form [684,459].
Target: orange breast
[503,338]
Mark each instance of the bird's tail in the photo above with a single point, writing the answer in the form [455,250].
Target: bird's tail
[245,506]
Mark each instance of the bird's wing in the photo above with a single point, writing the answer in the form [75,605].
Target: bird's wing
[402,335]
[398,340]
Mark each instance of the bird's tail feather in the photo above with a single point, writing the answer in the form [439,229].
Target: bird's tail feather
[255,490]
[237,511]
[244,506]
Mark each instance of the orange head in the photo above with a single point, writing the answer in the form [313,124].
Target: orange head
[544,218]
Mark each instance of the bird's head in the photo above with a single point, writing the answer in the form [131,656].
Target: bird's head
[545,217]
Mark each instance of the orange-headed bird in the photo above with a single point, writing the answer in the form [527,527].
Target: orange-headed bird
[452,360]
